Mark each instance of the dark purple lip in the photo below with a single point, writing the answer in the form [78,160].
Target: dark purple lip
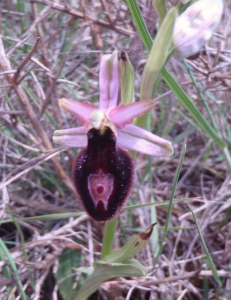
[103,175]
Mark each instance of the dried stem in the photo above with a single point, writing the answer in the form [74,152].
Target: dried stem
[25,61]
[28,109]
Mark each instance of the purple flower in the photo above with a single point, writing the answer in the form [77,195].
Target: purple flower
[103,170]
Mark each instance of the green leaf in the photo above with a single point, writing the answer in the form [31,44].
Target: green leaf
[119,263]
[104,271]
[140,25]
[126,79]
[85,270]
[160,7]
[158,55]
[133,246]
[69,259]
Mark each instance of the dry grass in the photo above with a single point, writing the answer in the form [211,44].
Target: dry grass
[51,50]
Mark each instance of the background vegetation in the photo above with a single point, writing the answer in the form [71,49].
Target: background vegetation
[52,49]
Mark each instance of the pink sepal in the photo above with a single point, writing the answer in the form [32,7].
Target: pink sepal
[72,137]
[138,139]
[125,114]
[81,110]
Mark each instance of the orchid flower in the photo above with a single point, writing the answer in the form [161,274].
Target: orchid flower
[103,171]
[195,26]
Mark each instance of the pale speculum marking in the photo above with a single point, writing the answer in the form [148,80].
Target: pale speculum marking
[100,186]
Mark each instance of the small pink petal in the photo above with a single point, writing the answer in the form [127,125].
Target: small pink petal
[81,110]
[138,139]
[125,114]
[72,137]
[109,81]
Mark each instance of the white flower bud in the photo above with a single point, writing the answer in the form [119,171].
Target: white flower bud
[195,26]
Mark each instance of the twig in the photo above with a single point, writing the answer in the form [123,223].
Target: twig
[51,87]
[12,112]
[50,38]
[80,15]
[37,161]
[25,61]
[27,107]
[17,45]
[25,75]
[38,19]
[40,64]
[148,281]
[107,14]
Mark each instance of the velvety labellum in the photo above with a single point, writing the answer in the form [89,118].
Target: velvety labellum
[103,175]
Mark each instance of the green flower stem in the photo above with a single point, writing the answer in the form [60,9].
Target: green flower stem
[108,238]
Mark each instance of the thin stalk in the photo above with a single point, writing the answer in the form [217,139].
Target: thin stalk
[166,228]
[155,236]
[108,238]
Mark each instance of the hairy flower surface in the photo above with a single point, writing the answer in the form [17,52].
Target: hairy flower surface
[103,170]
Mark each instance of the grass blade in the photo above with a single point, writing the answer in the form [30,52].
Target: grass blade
[166,228]
[208,256]
[14,268]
